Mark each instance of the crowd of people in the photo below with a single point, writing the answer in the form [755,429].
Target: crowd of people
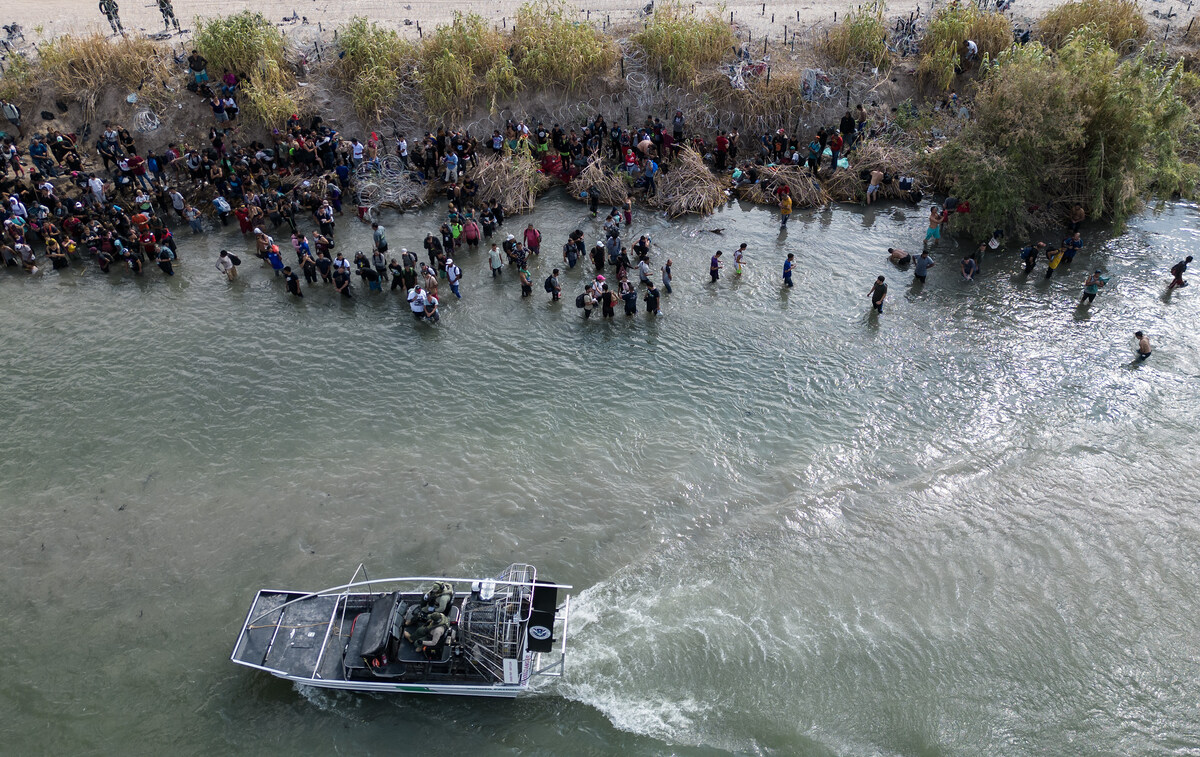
[116,206]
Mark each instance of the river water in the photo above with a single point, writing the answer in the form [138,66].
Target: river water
[966,527]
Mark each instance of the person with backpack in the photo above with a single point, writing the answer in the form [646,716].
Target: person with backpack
[1177,271]
[454,276]
[586,301]
[553,287]
[227,264]
[1030,255]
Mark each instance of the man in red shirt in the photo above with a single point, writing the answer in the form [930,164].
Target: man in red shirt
[533,239]
[835,148]
[722,149]
[137,168]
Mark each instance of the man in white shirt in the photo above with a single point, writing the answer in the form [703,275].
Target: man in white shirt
[644,271]
[972,50]
[96,185]
[453,275]
[226,266]
[402,150]
[495,260]
[416,302]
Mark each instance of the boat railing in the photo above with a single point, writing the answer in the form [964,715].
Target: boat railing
[343,588]
[341,603]
[564,613]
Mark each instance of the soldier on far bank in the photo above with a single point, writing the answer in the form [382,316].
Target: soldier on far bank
[168,13]
[113,14]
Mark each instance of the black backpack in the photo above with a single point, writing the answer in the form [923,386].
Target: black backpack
[579,300]
[549,284]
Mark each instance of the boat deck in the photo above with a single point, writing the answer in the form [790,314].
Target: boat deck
[290,640]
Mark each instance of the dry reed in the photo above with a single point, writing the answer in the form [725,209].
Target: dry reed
[847,185]
[514,180]
[83,67]
[1119,22]
[602,182]
[806,191]
[688,187]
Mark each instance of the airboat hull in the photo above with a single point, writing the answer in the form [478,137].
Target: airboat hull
[496,638]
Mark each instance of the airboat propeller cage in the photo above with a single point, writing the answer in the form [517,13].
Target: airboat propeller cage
[540,631]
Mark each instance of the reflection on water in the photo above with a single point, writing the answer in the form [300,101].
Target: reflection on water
[963,527]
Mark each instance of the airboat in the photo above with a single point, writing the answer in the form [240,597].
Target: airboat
[500,634]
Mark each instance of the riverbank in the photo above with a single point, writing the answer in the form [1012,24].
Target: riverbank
[798,82]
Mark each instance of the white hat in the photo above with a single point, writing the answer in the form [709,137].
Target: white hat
[600,242]
[258,231]
[449,261]
[403,250]
[510,236]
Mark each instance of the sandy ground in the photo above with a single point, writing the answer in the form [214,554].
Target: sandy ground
[58,16]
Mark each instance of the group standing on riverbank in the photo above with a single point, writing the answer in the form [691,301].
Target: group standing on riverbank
[122,211]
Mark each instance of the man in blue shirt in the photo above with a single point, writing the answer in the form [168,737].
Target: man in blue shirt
[1071,245]
[787,270]
[451,168]
[40,154]
[650,168]
[923,264]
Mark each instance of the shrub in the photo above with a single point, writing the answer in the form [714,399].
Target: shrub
[678,43]
[457,62]
[945,41]
[1111,128]
[372,65]
[861,36]
[82,67]
[20,82]
[251,46]
[1120,22]
[551,48]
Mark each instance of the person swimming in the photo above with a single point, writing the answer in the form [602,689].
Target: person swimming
[899,257]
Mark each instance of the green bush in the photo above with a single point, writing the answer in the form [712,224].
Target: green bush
[678,42]
[372,65]
[1085,116]
[944,43]
[461,60]
[551,48]
[861,36]
[254,48]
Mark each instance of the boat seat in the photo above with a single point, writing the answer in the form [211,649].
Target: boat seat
[358,631]
[379,629]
